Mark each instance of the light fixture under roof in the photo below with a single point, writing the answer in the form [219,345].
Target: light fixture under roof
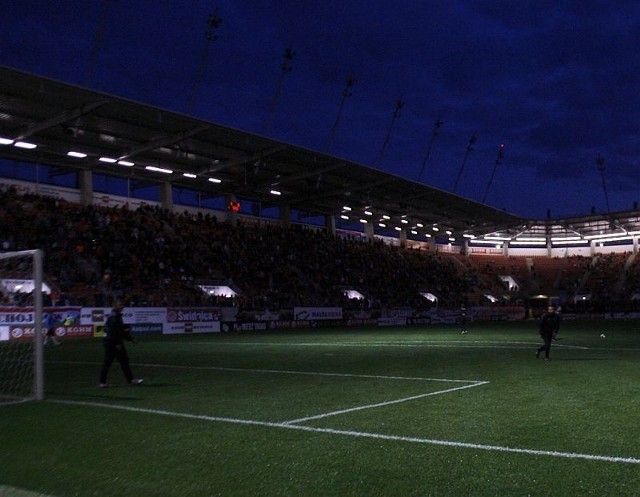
[215,180]
[5,141]
[125,163]
[159,170]
[189,175]
[26,145]
[275,192]
[79,155]
[109,160]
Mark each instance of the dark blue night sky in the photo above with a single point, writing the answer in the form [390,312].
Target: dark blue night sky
[556,82]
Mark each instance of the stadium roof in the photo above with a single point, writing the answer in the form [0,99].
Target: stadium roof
[224,162]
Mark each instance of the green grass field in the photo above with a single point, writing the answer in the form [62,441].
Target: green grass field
[375,412]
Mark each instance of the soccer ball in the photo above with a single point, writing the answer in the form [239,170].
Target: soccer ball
[602,335]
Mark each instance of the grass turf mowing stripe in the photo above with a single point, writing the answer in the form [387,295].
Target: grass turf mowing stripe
[357,434]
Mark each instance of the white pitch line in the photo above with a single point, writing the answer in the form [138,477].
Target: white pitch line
[457,344]
[382,404]
[357,434]
[278,371]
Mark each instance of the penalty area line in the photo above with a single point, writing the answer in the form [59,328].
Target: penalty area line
[383,404]
[358,434]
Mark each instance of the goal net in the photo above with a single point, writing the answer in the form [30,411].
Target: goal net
[21,316]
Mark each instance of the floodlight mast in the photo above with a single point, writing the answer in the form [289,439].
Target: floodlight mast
[396,115]
[213,23]
[601,168]
[289,54]
[498,161]
[436,132]
[472,141]
[97,41]
[346,93]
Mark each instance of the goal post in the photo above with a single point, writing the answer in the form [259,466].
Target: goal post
[21,326]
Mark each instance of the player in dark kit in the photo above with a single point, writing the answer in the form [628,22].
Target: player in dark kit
[549,326]
[116,332]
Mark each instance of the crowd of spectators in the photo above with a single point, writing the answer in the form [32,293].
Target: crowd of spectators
[152,256]
[155,257]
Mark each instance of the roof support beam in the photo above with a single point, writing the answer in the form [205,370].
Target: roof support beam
[163,141]
[35,127]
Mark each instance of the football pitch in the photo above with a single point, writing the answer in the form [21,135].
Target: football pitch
[421,411]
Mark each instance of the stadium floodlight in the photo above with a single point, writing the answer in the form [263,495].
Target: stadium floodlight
[382,225]
[368,213]
[215,180]
[419,225]
[363,221]
[189,175]
[346,208]
[565,238]
[398,228]
[570,242]
[126,163]
[26,145]
[79,155]
[385,217]
[159,170]
[344,216]
[6,141]
[486,242]
[404,221]
[275,192]
[530,239]
[615,239]
[109,160]
[526,242]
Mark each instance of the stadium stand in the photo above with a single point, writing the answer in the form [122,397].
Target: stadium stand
[154,257]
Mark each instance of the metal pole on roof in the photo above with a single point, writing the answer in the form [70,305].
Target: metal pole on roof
[289,54]
[472,141]
[427,155]
[495,166]
[396,115]
[97,41]
[346,93]
[601,168]
[213,22]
